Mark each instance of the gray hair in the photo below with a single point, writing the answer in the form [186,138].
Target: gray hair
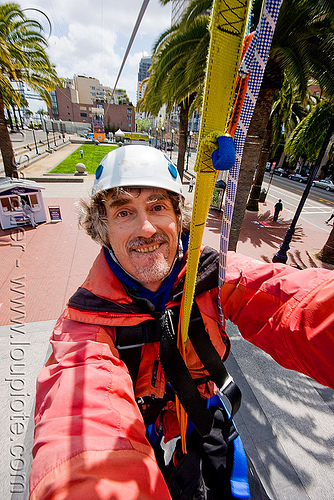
[92,216]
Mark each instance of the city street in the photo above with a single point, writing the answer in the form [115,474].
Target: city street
[319,203]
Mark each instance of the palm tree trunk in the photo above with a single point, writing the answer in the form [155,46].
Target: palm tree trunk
[249,161]
[254,197]
[326,254]
[6,145]
[184,109]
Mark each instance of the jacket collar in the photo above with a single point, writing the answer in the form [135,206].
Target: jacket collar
[102,295]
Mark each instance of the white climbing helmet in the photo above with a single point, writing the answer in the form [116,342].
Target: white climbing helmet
[137,166]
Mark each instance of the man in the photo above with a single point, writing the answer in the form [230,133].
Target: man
[103,399]
[29,213]
[191,184]
[278,209]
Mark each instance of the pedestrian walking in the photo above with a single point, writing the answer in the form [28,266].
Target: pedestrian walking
[107,420]
[29,213]
[81,153]
[330,218]
[191,184]
[278,209]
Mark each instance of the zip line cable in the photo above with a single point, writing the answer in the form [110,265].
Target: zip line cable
[133,35]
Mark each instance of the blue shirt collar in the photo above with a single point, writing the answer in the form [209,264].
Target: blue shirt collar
[161,296]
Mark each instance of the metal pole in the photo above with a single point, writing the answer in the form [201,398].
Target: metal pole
[33,133]
[62,129]
[162,138]
[190,134]
[47,134]
[54,137]
[171,145]
[156,137]
[281,255]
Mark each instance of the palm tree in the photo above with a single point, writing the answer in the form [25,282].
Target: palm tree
[307,138]
[178,70]
[302,47]
[286,112]
[22,58]
[41,112]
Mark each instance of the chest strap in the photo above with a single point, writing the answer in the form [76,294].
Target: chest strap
[184,386]
[129,341]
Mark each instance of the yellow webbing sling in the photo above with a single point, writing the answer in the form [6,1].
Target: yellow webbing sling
[227,28]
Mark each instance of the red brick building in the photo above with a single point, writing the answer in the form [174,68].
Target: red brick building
[65,107]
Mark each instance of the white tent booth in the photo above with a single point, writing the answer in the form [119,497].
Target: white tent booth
[119,133]
[14,194]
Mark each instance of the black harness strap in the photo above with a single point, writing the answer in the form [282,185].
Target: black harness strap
[180,379]
[129,341]
[211,361]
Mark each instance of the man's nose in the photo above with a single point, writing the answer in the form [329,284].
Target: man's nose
[146,228]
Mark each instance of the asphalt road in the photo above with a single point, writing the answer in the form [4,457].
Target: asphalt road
[315,194]
[317,208]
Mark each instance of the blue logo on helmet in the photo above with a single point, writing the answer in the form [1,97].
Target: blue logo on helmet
[99,171]
[172,170]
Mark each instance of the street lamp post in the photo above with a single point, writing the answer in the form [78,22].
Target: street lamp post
[281,255]
[171,144]
[156,137]
[162,138]
[47,133]
[61,129]
[47,138]
[190,135]
[33,133]
[53,131]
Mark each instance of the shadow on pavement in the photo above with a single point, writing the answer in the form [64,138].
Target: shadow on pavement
[283,421]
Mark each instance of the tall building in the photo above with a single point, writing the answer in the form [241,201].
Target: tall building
[143,72]
[89,89]
[144,66]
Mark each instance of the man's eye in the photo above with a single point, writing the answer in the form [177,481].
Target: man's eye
[122,213]
[157,208]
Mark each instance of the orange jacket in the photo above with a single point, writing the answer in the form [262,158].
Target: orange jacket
[90,436]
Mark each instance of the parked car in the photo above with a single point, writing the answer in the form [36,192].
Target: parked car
[298,177]
[281,171]
[324,184]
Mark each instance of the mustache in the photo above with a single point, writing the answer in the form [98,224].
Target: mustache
[155,239]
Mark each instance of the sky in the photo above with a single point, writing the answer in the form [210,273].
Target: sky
[90,37]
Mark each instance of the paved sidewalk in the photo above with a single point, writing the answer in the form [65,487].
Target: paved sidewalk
[286,420]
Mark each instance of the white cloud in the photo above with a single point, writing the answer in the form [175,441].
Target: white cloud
[90,38]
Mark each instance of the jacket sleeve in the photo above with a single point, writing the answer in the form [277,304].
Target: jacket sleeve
[89,434]
[289,313]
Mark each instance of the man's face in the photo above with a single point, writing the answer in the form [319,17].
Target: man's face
[143,233]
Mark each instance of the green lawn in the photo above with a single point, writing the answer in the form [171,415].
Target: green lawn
[92,155]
